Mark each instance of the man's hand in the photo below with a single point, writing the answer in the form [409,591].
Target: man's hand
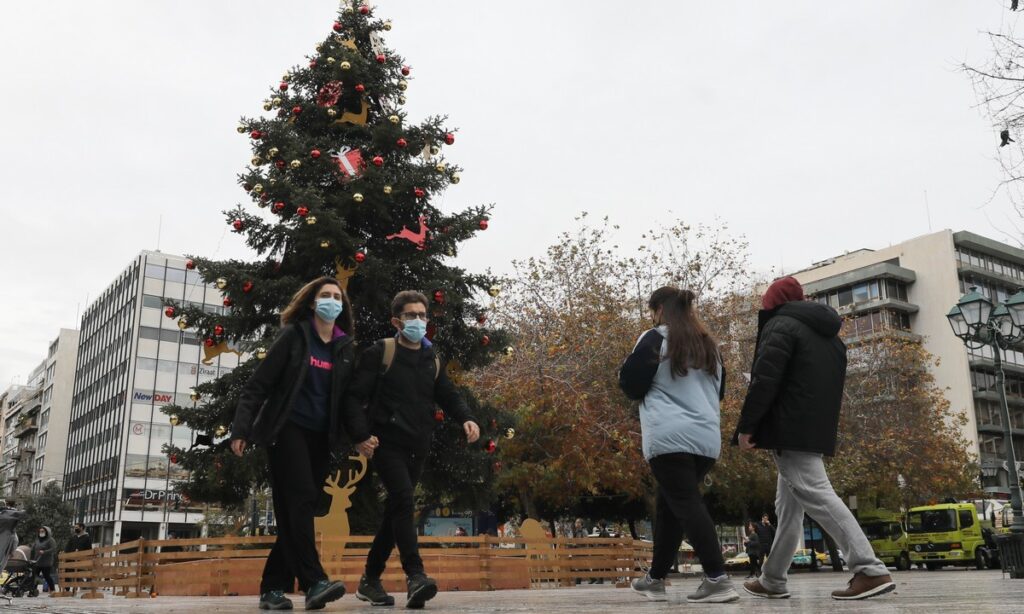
[472,431]
[367,447]
[746,441]
[238,446]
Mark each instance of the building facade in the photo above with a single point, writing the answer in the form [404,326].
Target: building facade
[132,360]
[908,288]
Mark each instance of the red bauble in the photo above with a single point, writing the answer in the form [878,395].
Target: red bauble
[169,312]
[174,459]
[449,139]
[491,446]
[485,340]
[401,143]
[406,70]
[312,63]
[302,211]
[364,9]
[431,330]
[481,319]
[381,58]
[360,257]
[256,134]
[439,296]
[279,164]
[247,187]
[238,224]
[314,154]
[228,302]
[247,286]
[439,415]
[337,26]
[296,109]
[378,161]
[190,264]
[209,342]
[360,88]
[278,207]
[283,87]
[419,192]
[483,224]
[218,330]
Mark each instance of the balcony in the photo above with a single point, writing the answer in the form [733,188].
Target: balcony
[25,427]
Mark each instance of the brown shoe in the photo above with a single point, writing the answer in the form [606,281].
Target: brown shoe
[754,588]
[862,587]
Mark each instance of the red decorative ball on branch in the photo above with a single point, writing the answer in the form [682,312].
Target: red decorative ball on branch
[228,302]
[283,87]
[174,459]
[401,143]
[485,340]
[218,330]
[302,211]
[238,225]
[279,164]
[360,88]
[247,286]
[360,257]
[481,319]
[337,26]
[378,161]
[190,264]
[256,134]
[449,139]
[312,63]
[381,58]
[418,192]
[406,70]
[439,296]
[491,447]
[209,342]
[483,224]
[364,9]
[439,415]
[296,110]
[169,312]
[278,207]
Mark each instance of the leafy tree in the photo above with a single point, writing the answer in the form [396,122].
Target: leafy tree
[47,509]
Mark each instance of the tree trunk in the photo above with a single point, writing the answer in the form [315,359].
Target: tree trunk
[632,528]
[529,506]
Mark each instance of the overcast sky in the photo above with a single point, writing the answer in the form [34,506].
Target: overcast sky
[811,128]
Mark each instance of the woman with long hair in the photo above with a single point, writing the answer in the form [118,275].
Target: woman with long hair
[293,405]
[676,373]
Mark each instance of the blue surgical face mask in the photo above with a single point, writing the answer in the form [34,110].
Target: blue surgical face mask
[414,330]
[328,309]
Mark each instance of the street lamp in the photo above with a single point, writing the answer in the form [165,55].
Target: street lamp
[979,323]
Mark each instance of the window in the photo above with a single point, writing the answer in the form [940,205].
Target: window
[845,297]
[155,271]
[861,293]
[966,519]
[177,275]
[148,300]
[148,332]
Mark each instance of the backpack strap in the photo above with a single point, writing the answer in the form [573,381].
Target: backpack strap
[437,366]
[389,355]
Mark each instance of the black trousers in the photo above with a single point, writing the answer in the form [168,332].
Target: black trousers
[45,573]
[298,467]
[681,512]
[399,470]
[755,564]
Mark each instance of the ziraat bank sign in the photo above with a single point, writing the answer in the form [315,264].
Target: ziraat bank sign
[152,397]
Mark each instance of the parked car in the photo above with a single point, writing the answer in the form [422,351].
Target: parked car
[826,558]
[802,558]
[740,561]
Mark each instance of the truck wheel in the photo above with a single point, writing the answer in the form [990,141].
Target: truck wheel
[980,559]
[903,562]
[932,566]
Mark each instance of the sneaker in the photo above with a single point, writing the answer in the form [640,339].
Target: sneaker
[755,588]
[717,590]
[649,587]
[372,591]
[322,593]
[862,586]
[421,590]
[275,600]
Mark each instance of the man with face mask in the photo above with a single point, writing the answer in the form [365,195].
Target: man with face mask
[80,540]
[393,402]
[43,553]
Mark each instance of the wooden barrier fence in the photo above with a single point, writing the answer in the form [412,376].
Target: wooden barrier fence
[233,565]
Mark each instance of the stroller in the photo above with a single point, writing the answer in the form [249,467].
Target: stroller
[21,574]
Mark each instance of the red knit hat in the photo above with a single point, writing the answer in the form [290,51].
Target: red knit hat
[782,291]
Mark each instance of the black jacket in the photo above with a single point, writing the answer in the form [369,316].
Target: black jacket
[765,537]
[269,395]
[398,406]
[796,381]
[79,542]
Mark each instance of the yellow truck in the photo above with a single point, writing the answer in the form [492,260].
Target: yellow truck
[949,534]
[884,529]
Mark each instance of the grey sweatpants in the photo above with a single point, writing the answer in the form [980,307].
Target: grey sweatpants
[804,487]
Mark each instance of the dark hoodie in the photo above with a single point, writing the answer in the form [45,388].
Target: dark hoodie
[796,381]
[44,549]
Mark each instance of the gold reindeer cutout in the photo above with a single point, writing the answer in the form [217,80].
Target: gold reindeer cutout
[348,117]
[335,522]
[209,353]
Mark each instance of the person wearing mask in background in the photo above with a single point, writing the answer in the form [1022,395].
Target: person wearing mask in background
[676,373]
[294,405]
[44,553]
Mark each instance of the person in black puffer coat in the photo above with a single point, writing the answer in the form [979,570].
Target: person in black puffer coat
[792,408]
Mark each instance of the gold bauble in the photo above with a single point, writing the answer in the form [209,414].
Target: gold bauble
[324,243]
[273,151]
[403,85]
[195,396]
[440,167]
[510,433]
[272,180]
[508,352]
[221,431]
[331,60]
[456,178]
[174,419]
[182,323]
[276,102]
[267,106]
[358,197]
[221,283]
[311,220]
[494,290]
[261,353]
[345,65]
[258,188]
[387,25]
[394,119]
[434,150]
[256,161]
[401,100]
[387,189]
[295,164]
[286,77]
[262,204]
[319,47]
[240,129]
[332,112]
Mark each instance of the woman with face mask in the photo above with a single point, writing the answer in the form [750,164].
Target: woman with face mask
[43,552]
[293,405]
[676,373]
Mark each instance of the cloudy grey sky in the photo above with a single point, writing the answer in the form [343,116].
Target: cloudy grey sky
[811,128]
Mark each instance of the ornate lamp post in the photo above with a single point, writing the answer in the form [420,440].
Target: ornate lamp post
[979,323]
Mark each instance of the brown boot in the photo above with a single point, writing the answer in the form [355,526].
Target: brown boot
[755,588]
[862,587]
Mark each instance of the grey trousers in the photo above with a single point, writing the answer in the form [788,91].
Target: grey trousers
[804,487]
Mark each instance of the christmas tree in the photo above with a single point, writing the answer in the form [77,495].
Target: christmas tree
[343,185]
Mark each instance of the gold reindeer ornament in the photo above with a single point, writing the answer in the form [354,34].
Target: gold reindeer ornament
[335,522]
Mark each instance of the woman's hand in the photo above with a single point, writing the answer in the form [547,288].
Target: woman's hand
[367,447]
[238,446]
[472,431]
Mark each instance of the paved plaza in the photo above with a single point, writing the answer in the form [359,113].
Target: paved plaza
[917,591]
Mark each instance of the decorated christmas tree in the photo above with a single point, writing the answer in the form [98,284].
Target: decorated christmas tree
[342,183]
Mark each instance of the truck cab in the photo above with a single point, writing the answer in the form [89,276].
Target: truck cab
[947,534]
[888,537]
